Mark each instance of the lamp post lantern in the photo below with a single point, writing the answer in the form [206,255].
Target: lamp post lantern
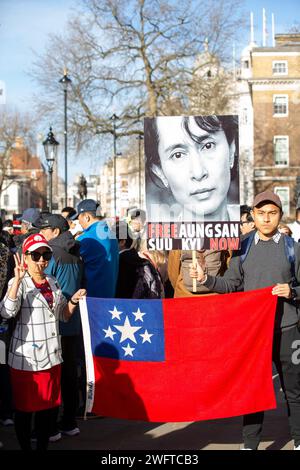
[65,82]
[50,147]
[113,118]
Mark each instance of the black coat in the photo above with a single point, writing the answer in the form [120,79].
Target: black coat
[137,279]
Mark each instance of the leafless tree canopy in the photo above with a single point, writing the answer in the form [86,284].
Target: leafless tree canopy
[295,28]
[134,58]
[13,125]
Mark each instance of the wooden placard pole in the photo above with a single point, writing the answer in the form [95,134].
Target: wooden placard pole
[194,261]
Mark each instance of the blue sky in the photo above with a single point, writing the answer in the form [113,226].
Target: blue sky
[24,28]
[286,12]
[25,25]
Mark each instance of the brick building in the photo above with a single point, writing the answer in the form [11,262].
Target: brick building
[275,90]
[25,182]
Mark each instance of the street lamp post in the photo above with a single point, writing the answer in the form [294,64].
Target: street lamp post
[50,147]
[66,81]
[140,138]
[113,118]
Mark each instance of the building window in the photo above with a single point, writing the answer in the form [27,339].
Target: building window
[280,67]
[6,200]
[284,193]
[281,150]
[280,105]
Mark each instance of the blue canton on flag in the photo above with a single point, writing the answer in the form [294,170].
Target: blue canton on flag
[130,330]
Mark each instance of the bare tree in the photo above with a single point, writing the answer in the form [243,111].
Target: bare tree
[295,28]
[134,58]
[13,125]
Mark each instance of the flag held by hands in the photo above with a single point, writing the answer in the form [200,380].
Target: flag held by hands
[184,359]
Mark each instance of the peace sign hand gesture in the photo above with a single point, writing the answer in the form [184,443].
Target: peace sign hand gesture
[19,268]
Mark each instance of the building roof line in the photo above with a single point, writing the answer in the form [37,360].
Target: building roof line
[289,81]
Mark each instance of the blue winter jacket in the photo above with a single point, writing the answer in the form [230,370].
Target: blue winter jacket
[100,254]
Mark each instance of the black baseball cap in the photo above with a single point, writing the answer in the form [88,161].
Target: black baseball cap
[52,221]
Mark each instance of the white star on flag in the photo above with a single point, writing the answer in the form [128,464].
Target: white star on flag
[146,337]
[128,350]
[109,333]
[115,313]
[138,315]
[127,331]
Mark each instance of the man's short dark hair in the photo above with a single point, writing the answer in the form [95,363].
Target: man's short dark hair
[70,211]
[246,210]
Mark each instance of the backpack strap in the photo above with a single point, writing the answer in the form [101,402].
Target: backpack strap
[245,246]
[289,246]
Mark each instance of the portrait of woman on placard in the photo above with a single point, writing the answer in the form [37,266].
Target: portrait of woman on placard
[192,168]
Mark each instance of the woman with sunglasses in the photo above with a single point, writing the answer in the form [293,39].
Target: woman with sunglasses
[37,304]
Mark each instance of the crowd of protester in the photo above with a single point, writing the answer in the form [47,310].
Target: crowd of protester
[51,262]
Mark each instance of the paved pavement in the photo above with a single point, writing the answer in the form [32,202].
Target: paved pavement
[113,434]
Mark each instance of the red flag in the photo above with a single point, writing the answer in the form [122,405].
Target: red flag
[183,359]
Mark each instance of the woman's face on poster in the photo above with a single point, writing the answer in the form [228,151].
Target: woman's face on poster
[196,171]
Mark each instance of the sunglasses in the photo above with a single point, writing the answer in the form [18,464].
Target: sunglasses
[36,255]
